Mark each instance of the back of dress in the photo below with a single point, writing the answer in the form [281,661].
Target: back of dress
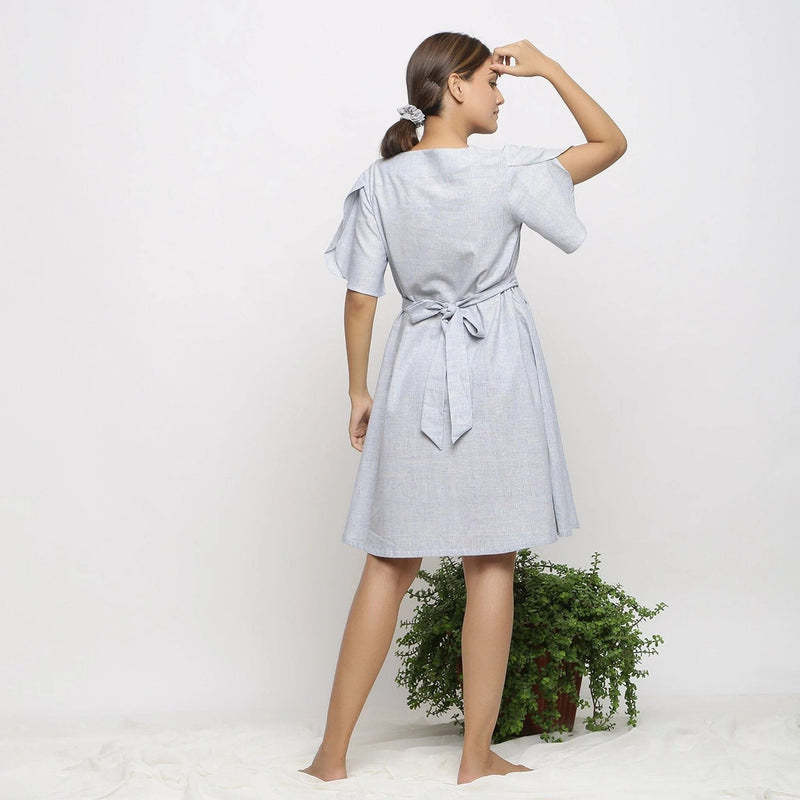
[448,219]
[463,454]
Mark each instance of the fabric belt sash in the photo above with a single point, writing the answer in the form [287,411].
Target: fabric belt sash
[448,375]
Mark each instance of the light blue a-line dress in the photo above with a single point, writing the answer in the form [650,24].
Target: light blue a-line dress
[463,452]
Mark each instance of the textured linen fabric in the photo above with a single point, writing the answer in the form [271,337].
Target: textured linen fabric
[463,453]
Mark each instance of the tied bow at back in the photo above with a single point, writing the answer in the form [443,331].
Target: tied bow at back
[448,378]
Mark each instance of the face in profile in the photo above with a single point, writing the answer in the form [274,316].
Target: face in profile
[482,99]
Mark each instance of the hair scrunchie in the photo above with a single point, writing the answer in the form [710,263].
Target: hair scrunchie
[412,113]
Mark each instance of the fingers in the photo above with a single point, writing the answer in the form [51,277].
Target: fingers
[357,435]
[502,56]
[500,64]
[528,59]
[359,420]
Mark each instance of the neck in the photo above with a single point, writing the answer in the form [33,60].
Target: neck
[440,132]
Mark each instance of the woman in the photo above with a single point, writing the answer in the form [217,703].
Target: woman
[460,453]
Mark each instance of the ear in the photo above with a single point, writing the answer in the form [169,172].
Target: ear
[455,87]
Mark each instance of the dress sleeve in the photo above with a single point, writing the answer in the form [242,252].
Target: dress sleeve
[541,194]
[357,252]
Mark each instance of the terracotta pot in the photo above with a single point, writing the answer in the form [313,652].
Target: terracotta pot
[567,707]
[564,703]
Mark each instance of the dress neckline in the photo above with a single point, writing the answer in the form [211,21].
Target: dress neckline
[437,149]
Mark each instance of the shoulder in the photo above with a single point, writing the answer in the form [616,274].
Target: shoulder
[524,154]
[365,181]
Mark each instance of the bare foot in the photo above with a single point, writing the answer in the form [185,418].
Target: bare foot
[493,765]
[325,768]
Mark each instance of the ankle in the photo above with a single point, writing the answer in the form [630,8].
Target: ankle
[475,754]
[332,754]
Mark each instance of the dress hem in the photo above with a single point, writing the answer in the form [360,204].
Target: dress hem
[386,552]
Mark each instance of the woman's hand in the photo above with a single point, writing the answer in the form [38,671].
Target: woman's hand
[359,419]
[530,61]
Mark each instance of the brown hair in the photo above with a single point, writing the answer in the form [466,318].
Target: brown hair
[426,81]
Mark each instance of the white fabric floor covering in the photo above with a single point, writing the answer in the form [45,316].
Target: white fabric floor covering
[683,747]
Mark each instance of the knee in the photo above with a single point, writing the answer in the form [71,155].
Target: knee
[399,572]
[494,564]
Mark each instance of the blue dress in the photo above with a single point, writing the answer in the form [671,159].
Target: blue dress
[463,453]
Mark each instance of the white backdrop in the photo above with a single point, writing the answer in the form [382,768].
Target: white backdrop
[175,468]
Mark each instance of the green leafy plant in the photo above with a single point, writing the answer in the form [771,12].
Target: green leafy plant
[565,612]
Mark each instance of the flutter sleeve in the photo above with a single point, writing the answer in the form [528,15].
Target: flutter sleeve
[540,194]
[357,252]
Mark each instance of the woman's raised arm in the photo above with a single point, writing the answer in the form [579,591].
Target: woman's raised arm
[605,141]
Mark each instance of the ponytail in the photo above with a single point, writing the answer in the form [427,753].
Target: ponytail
[400,137]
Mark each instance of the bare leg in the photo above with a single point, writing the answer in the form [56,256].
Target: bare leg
[367,637]
[485,641]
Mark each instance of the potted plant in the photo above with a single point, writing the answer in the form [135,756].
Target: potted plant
[567,623]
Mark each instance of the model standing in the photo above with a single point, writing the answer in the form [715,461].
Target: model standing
[461,453]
